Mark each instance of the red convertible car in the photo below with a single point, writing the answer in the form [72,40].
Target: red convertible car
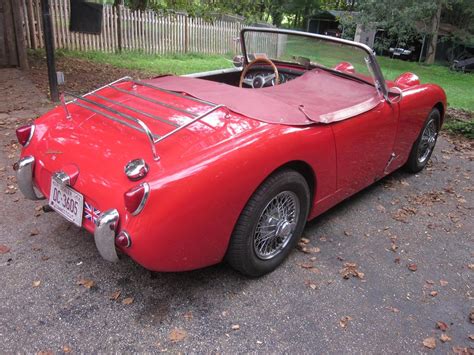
[182,172]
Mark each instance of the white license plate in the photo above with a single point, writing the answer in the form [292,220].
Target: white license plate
[67,202]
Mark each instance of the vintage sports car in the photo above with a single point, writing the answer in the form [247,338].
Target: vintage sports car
[182,172]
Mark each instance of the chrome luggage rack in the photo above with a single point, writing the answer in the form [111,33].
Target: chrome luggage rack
[133,122]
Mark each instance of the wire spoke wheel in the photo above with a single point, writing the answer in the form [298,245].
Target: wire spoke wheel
[428,141]
[276,225]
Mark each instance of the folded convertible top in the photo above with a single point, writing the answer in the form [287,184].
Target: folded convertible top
[315,97]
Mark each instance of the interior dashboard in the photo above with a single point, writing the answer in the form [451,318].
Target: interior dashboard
[257,76]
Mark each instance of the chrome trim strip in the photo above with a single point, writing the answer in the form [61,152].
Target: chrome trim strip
[213,72]
[153,101]
[136,110]
[24,175]
[189,123]
[144,199]
[104,234]
[380,81]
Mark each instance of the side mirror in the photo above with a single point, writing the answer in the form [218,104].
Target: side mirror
[238,61]
[395,95]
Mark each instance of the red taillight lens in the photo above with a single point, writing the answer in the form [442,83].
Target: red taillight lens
[136,197]
[123,240]
[24,134]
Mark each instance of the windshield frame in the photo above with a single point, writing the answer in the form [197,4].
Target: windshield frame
[379,81]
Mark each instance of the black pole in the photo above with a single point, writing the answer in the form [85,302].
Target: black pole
[49,45]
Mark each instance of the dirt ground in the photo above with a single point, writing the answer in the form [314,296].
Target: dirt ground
[389,270]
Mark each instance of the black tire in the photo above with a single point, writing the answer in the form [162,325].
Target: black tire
[417,161]
[242,254]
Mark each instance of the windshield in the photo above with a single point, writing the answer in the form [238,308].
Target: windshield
[305,50]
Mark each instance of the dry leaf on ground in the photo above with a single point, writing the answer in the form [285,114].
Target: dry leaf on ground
[235,327]
[188,315]
[443,282]
[4,249]
[67,349]
[350,270]
[344,321]
[444,338]
[115,295]
[36,283]
[128,300]
[304,240]
[430,343]
[86,283]
[441,326]
[412,267]
[434,293]
[177,335]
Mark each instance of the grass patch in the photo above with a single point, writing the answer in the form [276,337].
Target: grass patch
[155,64]
[466,128]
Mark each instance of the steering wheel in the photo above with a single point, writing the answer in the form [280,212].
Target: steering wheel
[259,81]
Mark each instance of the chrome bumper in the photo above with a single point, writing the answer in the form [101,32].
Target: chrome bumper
[24,175]
[104,235]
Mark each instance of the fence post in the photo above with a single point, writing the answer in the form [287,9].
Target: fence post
[119,26]
[49,45]
[186,34]
[20,36]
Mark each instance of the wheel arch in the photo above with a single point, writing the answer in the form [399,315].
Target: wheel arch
[306,170]
[442,112]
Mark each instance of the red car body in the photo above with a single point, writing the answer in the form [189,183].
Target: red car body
[208,171]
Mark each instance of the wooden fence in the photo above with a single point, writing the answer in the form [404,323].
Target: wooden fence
[145,31]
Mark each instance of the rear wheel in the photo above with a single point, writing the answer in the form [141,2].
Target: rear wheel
[270,224]
[424,145]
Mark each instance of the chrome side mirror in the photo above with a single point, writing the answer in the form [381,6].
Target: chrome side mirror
[395,95]
[238,61]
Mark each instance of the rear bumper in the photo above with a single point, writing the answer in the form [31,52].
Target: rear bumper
[24,175]
[104,234]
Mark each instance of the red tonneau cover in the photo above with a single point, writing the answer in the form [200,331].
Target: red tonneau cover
[316,96]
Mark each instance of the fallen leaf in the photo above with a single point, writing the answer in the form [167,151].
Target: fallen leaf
[458,350]
[86,283]
[177,335]
[307,265]
[304,240]
[44,352]
[441,326]
[347,234]
[188,315]
[471,317]
[444,338]
[36,283]
[350,270]
[434,293]
[393,309]
[235,327]
[128,300]
[471,337]
[115,295]
[67,349]
[343,322]
[412,267]
[430,343]
[4,249]
[443,282]
[430,282]
[312,285]
[34,232]
[470,266]
[396,260]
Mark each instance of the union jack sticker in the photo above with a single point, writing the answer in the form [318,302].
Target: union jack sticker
[91,213]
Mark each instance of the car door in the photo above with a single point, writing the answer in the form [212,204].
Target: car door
[364,145]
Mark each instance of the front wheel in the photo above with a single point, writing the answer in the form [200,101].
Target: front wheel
[270,224]
[424,145]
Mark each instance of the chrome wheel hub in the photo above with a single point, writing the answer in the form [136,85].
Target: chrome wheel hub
[276,225]
[427,142]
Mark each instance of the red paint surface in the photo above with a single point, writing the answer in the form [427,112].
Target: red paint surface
[208,171]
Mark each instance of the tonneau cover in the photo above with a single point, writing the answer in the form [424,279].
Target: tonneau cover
[315,97]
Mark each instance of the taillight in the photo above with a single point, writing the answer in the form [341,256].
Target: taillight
[136,197]
[24,134]
[123,240]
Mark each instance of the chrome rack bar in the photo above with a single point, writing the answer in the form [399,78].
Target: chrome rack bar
[174,93]
[200,117]
[153,100]
[135,110]
[144,127]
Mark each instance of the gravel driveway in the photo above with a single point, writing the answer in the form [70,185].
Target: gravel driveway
[386,271]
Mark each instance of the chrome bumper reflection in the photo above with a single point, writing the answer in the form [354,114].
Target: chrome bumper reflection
[24,175]
[104,234]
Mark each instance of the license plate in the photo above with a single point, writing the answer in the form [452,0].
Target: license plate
[67,202]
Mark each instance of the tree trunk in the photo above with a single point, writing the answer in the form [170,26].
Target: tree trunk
[431,53]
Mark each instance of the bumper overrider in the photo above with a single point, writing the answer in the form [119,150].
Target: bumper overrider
[106,226]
